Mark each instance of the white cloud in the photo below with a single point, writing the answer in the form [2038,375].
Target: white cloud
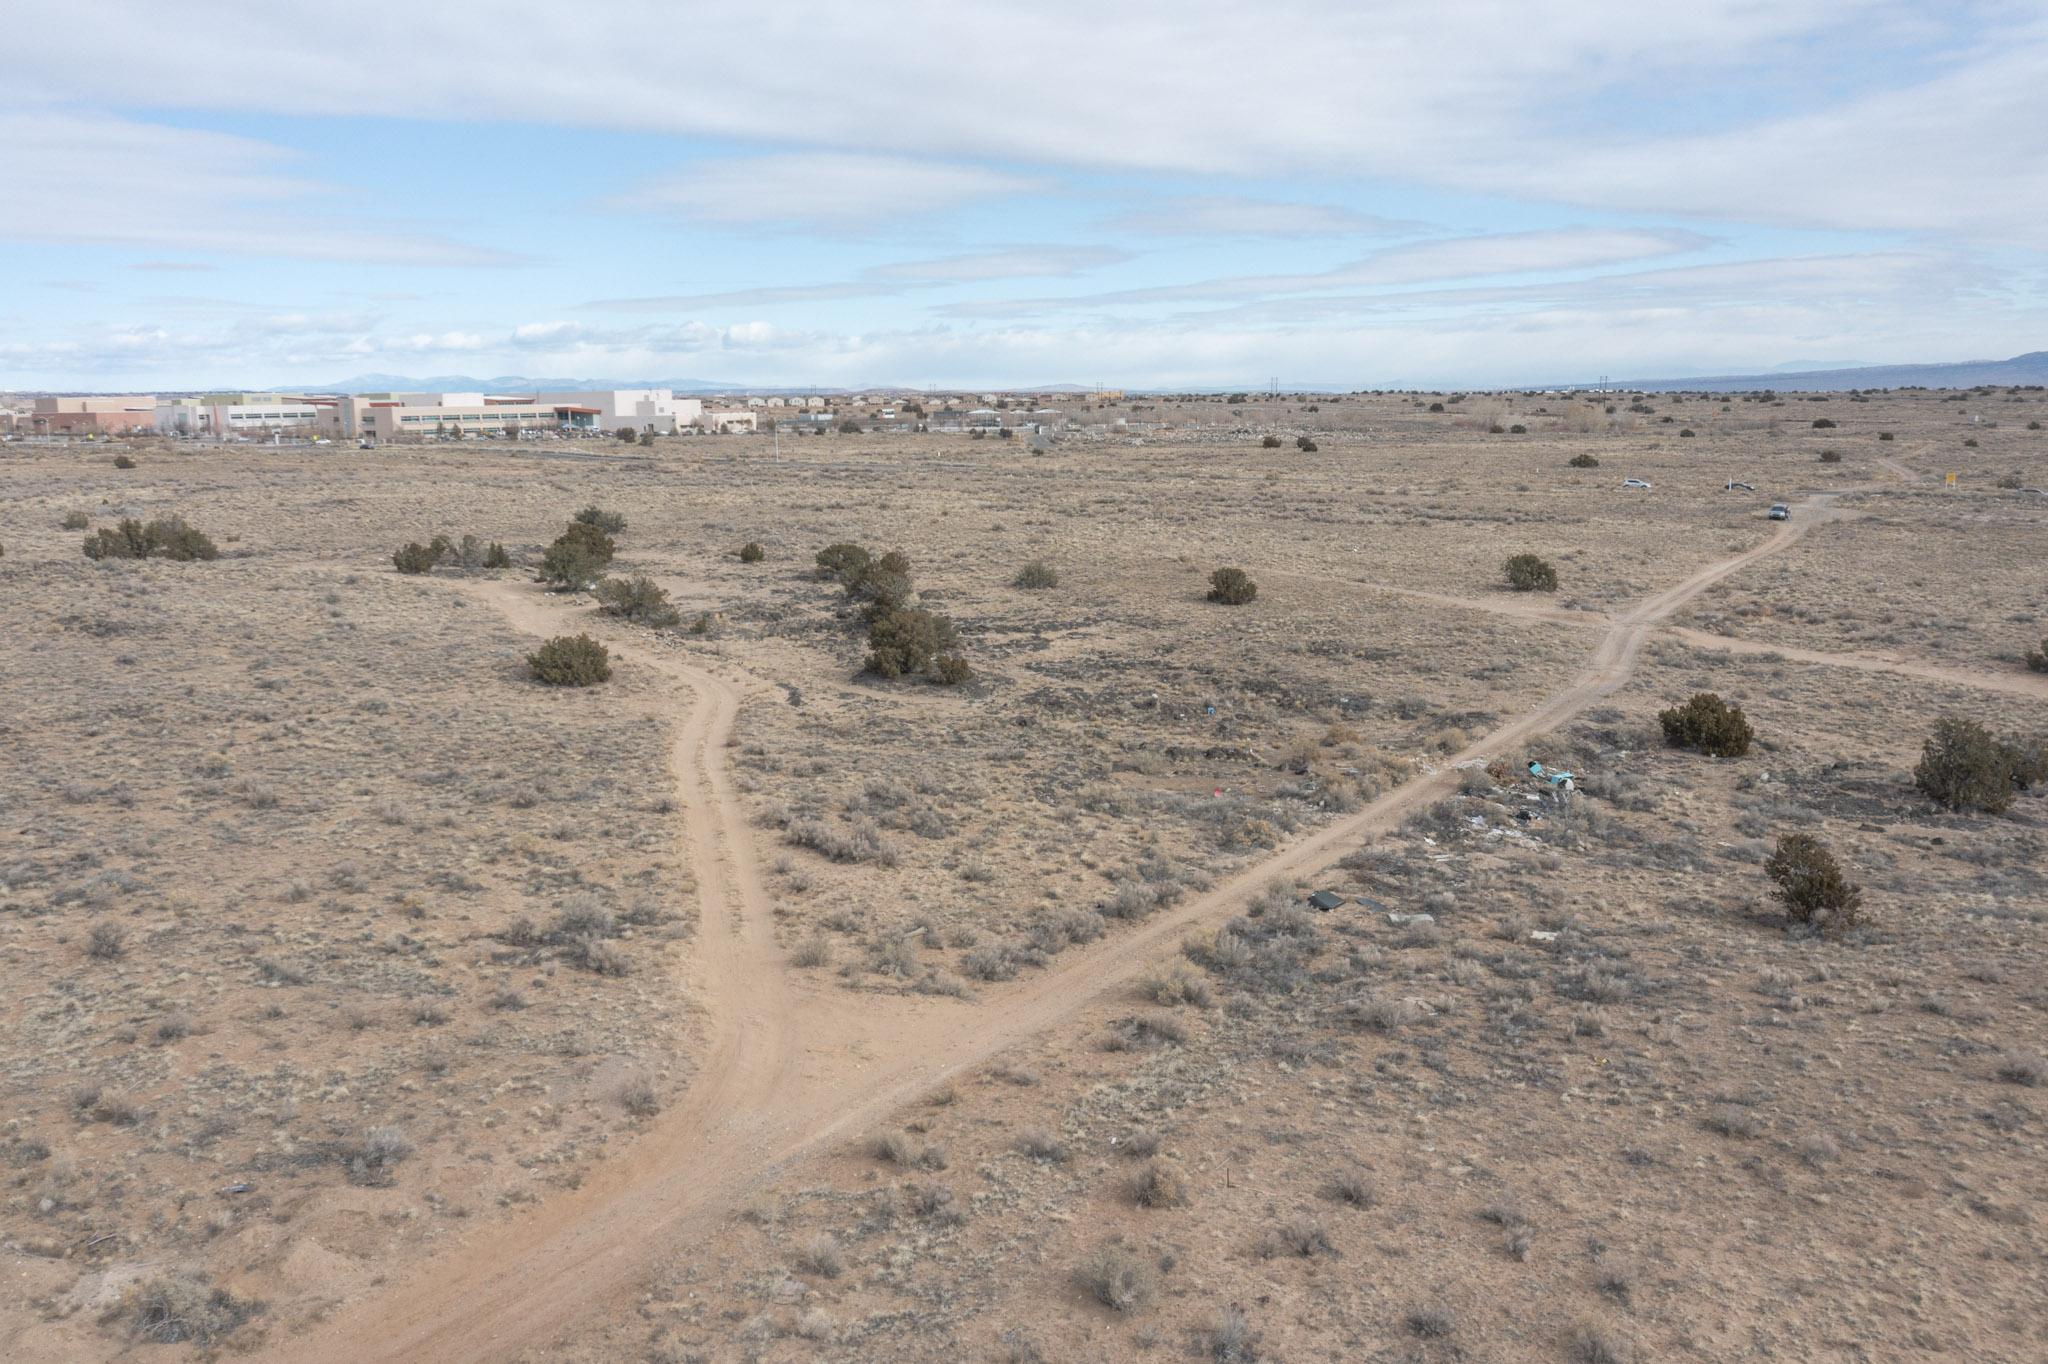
[1017,262]
[1505,253]
[1232,215]
[829,189]
[884,281]
[1545,96]
[101,180]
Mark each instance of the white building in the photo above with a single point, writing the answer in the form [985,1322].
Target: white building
[227,415]
[728,419]
[639,408]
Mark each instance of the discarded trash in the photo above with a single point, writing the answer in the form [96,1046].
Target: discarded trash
[1326,900]
[1403,920]
[1560,781]
[1539,935]
[237,1188]
[1374,905]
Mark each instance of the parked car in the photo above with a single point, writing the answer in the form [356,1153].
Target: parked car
[1780,512]
[1634,483]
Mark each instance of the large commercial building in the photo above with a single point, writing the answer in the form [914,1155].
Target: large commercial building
[644,409]
[92,416]
[396,415]
[226,415]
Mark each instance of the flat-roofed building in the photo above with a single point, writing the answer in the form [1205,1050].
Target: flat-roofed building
[92,416]
[728,419]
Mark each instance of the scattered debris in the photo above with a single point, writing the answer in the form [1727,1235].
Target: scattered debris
[1325,900]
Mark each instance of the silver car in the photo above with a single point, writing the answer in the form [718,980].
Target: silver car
[1780,512]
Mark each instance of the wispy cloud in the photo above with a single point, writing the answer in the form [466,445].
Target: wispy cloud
[883,281]
[96,179]
[1230,215]
[841,190]
[1474,257]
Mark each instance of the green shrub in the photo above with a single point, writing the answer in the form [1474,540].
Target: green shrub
[1831,457]
[75,520]
[637,599]
[1232,587]
[1970,444]
[123,462]
[843,562]
[950,670]
[166,537]
[611,523]
[1963,768]
[1823,423]
[752,553]
[1884,435]
[906,641]
[496,557]
[1518,430]
[416,558]
[849,427]
[1436,407]
[578,557]
[1036,576]
[1685,433]
[1528,573]
[627,435]
[1708,724]
[1584,461]
[2029,761]
[571,661]
[1270,443]
[2037,659]
[1812,885]
[1305,445]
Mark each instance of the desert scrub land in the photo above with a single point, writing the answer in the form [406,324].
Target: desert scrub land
[321,930]
[743,1005]
[1607,1073]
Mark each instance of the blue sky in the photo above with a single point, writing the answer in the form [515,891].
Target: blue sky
[240,192]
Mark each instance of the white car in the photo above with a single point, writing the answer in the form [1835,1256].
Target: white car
[1634,483]
[1780,512]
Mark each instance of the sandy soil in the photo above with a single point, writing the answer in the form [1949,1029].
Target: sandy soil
[1130,767]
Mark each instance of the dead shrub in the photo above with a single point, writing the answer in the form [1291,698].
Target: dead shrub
[821,1255]
[106,941]
[1302,1237]
[1041,1145]
[183,1309]
[2016,1068]
[1117,1279]
[1159,1184]
[374,1160]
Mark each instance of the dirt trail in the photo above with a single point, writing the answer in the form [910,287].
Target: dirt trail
[2018,683]
[790,1068]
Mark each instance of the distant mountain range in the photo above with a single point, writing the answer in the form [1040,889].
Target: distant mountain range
[2031,368]
[512,383]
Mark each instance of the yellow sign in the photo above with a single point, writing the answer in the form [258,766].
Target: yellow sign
[1952,478]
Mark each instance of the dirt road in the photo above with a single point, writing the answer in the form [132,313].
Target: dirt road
[790,1067]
